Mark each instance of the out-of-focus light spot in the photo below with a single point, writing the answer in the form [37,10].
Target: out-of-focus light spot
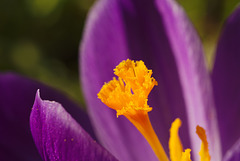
[25,55]
[41,8]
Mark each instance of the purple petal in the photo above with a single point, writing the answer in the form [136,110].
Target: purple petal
[233,154]
[16,99]
[225,80]
[103,47]
[59,137]
[158,33]
[194,77]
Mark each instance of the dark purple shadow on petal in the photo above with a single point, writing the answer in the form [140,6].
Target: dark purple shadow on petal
[59,137]
[7,154]
[226,81]
[233,154]
[16,99]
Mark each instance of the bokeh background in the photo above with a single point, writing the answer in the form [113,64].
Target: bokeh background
[40,38]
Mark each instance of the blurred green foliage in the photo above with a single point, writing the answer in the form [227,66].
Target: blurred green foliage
[208,17]
[40,38]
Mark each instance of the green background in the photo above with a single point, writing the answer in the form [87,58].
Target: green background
[40,38]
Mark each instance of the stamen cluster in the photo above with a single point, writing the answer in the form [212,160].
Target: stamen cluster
[129,93]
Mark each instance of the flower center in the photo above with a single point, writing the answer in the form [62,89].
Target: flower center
[128,95]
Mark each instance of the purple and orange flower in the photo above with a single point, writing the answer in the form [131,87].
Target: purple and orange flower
[159,33]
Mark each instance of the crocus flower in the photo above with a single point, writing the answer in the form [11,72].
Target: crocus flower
[158,33]
[128,95]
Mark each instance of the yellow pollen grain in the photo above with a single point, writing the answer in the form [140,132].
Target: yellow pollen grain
[128,95]
[204,152]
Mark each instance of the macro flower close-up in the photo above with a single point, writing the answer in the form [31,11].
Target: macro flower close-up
[148,91]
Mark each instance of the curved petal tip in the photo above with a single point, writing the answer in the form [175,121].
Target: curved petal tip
[58,136]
